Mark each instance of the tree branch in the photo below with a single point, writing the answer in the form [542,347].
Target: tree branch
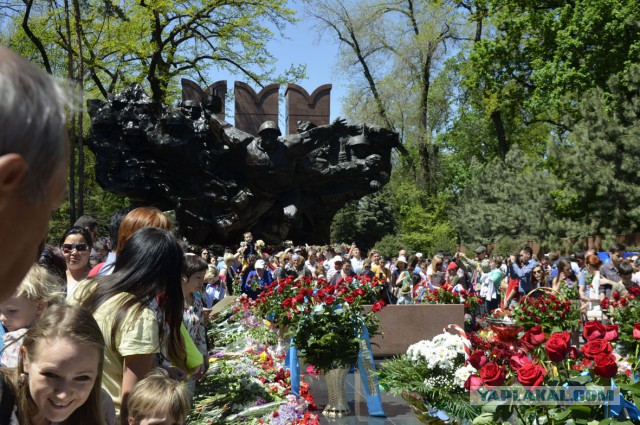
[33,38]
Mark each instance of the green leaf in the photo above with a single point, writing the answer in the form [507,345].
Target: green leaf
[484,418]
[579,380]
[560,415]
[581,411]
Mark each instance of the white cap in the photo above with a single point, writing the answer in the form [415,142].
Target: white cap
[259,264]
[401,259]
[419,254]
[337,259]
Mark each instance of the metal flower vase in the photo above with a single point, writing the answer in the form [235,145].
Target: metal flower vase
[336,381]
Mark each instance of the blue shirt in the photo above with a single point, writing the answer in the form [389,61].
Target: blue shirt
[523,274]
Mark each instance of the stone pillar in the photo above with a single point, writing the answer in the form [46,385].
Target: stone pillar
[252,109]
[192,91]
[302,106]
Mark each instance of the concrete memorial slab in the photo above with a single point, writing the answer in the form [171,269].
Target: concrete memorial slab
[403,325]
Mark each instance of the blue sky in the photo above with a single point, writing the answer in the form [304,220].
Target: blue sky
[302,45]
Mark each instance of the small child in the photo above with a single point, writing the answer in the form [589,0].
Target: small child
[37,291]
[158,399]
[247,248]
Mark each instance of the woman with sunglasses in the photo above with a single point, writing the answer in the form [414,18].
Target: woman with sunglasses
[76,246]
[538,280]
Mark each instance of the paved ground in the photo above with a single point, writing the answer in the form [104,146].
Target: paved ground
[397,410]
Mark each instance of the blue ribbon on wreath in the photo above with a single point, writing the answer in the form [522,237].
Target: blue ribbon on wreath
[291,362]
[616,410]
[367,368]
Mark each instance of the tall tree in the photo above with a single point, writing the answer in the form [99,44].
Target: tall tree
[392,49]
[541,56]
[599,167]
[156,42]
[103,46]
[509,198]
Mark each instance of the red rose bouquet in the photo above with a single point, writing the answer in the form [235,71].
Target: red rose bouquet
[626,315]
[446,295]
[553,312]
[324,320]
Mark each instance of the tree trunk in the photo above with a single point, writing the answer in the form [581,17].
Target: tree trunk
[503,146]
[80,126]
[73,133]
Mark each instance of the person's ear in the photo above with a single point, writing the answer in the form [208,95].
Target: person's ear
[132,421]
[13,168]
[25,359]
[41,305]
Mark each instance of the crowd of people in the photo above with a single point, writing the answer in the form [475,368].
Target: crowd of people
[499,281]
[106,349]
[103,330]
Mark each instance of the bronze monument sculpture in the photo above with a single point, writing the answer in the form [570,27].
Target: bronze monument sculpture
[222,181]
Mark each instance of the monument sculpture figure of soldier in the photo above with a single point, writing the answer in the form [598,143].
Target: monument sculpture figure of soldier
[222,181]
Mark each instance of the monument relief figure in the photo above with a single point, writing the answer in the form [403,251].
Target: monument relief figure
[222,181]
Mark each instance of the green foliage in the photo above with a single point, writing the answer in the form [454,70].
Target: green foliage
[98,203]
[365,221]
[599,167]
[508,198]
[156,43]
[440,239]
[345,222]
[543,56]
[390,245]
[506,245]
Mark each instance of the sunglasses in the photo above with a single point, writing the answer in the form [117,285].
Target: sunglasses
[80,247]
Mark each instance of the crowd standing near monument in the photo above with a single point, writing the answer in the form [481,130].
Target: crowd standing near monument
[114,330]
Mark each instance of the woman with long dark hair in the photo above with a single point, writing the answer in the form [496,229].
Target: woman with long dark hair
[146,280]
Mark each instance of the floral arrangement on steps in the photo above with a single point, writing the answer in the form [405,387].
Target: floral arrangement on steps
[446,295]
[431,377]
[247,382]
[438,378]
[326,323]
